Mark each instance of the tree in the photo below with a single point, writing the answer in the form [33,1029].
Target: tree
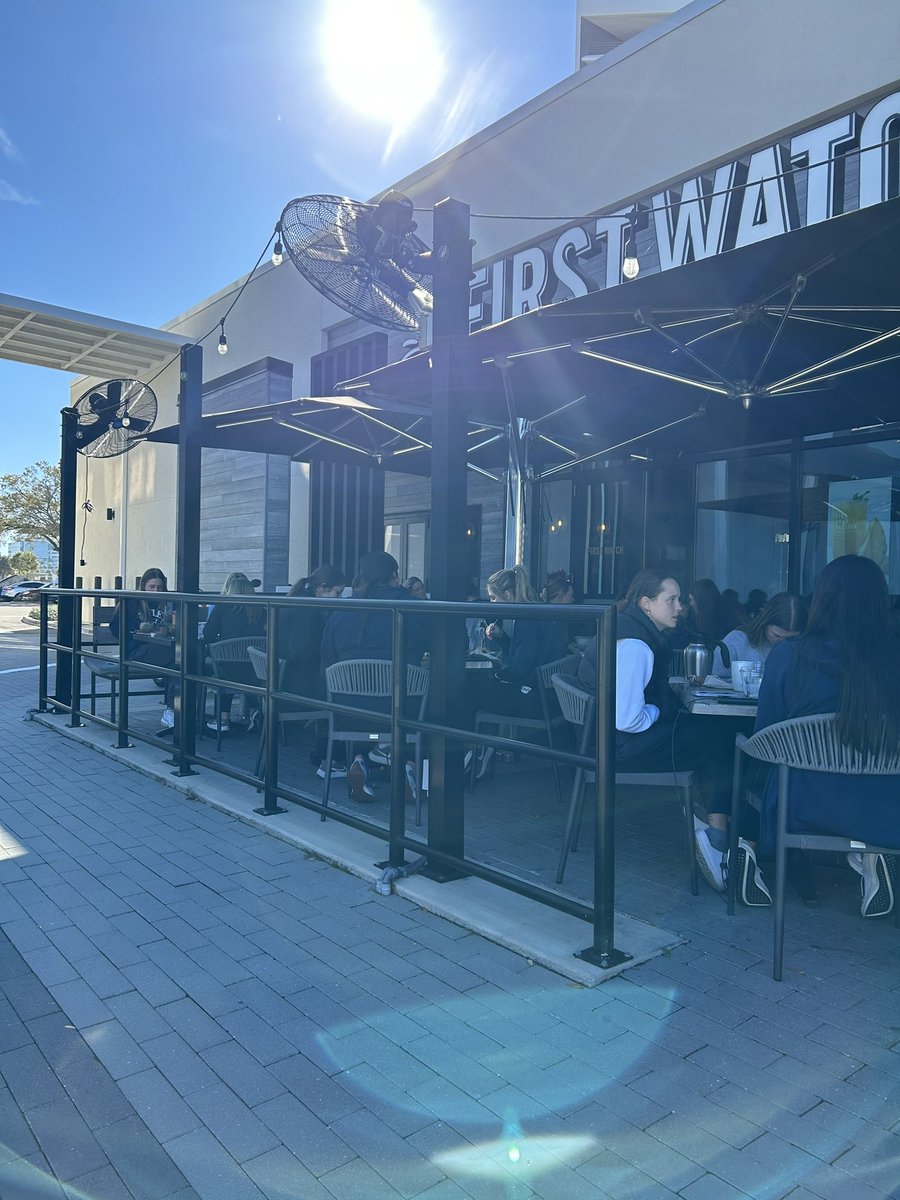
[29,504]
[24,562]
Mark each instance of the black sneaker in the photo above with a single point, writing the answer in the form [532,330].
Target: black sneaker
[751,887]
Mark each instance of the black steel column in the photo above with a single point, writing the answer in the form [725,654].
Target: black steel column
[190,410]
[603,952]
[68,479]
[452,256]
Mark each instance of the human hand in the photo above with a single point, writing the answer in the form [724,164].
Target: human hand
[494,630]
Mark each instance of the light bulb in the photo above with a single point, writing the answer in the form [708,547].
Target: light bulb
[223,342]
[631,266]
[277,253]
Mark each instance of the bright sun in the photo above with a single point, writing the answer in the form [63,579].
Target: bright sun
[381,57]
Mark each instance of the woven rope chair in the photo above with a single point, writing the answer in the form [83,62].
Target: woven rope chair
[258,660]
[231,662]
[805,744]
[578,709]
[372,679]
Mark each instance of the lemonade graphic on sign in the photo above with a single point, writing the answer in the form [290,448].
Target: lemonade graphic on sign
[857,515]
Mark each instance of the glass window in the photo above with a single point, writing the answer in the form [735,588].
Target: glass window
[851,505]
[742,539]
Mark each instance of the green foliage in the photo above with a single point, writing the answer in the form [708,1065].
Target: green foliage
[29,503]
[24,562]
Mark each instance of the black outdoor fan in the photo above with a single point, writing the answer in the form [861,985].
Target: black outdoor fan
[364,257]
[113,416]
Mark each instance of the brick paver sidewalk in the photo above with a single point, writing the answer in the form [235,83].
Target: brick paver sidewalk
[192,1008]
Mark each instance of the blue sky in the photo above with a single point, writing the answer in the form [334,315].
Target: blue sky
[147,147]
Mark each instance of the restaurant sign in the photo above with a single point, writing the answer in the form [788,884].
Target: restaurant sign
[849,162]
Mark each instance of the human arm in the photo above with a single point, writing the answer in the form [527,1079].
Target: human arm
[634,666]
[212,630]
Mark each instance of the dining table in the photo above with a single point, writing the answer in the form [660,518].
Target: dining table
[708,700]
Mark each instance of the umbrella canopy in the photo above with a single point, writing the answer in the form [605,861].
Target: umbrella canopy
[792,336]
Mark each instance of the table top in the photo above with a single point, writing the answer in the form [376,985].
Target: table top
[712,702]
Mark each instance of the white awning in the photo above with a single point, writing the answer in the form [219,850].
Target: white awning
[67,340]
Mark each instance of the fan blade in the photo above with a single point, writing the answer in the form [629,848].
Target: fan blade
[137,424]
[88,434]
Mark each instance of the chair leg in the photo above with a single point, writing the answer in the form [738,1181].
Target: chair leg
[328,753]
[569,835]
[780,871]
[686,798]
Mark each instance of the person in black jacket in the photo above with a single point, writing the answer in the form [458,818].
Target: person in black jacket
[513,687]
[369,634]
[227,621]
[151,616]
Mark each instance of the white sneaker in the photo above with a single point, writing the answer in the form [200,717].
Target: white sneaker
[167,720]
[751,887]
[876,888]
[709,859]
[484,761]
[337,772]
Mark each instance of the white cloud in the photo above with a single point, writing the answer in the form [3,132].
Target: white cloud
[11,195]
[7,147]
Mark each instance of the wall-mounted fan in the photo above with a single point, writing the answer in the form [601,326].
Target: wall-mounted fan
[113,416]
[364,257]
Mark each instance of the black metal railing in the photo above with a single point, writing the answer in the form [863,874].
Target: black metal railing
[446,739]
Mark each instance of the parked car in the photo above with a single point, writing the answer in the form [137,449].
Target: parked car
[23,590]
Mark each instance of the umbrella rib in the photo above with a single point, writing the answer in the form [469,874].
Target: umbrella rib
[539,421]
[798,315]
[657,329]
[558,445]
[781,389]
[799,284]
[875,341]
[670,375]
[618,446]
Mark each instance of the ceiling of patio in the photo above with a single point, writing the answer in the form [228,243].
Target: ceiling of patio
[67,340]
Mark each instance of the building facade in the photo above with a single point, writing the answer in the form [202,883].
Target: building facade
[715,126]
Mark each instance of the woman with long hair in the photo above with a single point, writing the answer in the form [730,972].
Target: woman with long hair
[705,616]
[848,663]
[227,621]
[558,589]
[152,617]
[781,617]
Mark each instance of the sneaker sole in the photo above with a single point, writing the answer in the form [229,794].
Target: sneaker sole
[710,868]
[750,890]
[884,894]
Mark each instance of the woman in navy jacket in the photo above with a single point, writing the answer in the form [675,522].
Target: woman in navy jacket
[848,663]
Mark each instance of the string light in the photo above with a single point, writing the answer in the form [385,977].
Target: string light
[277,249]
[223,340]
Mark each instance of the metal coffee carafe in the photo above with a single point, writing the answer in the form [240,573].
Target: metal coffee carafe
[697,662]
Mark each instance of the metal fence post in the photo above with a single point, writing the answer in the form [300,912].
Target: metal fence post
[397,814]
[271,806]
[185,733]
[75,721]
[122,742]
[43,601]
[602,952]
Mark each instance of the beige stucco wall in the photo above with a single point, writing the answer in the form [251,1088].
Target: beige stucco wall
[712,81]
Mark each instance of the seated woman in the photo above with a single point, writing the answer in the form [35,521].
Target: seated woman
[703,618]
[300,642]
[781,617]
[151,616]
[354,634]
[653,732]
[847,662]
[227,621]
[512,688]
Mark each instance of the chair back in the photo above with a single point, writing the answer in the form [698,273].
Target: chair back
[235,649]
[577,705]
[812,744]
[258,661]
[562,666]
[372,677]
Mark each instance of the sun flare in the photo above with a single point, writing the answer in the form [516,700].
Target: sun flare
[381,57]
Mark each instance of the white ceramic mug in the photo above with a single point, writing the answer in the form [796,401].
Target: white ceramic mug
[737,679]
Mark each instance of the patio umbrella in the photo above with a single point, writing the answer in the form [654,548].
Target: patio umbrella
[792,336]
